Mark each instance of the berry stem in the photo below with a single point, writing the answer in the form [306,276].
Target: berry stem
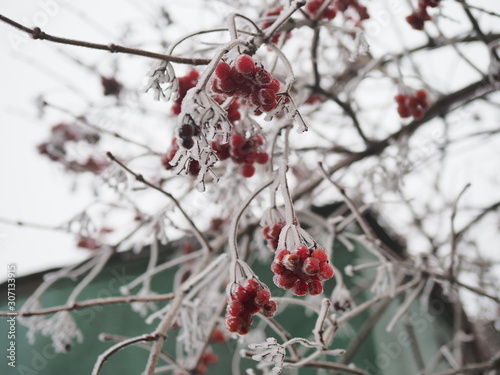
[233,229]
[207,73]
[283,17]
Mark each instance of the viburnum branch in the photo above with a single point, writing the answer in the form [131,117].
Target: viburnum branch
[115,348]
[199,236]
[90,303]
[102,259]
[233,229]
[283,17]
[37,33]
[165,356]
[406,305]
[453,235]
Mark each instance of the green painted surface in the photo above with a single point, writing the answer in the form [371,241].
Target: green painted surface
[380,353]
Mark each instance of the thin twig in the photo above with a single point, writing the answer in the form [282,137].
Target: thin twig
[37,33]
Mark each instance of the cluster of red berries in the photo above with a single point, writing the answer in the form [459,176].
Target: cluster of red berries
[248,80]
[233,113]
[412,105]
[302,270]
[272,234]
[312,8]
[247,300]
[208,358]
[88,243]
[185,83]
[270,13]
[420,15]
[361,10]
[56,148]
[194,166]
[244,151]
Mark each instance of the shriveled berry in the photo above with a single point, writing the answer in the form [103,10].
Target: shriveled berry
[187,143]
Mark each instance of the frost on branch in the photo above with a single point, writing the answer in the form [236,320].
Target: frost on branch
[60,327]
[162,81]
[206,119]
[270,352]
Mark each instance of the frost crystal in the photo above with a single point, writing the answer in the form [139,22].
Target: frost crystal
[270,352]
[60,327]
[162,75]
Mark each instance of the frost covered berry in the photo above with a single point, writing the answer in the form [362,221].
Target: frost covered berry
[247,80]
[242,150]
[301,270]
[247,300]
[272,233]
[412,105]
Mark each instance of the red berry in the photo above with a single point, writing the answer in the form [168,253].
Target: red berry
[235,308]
[233,324]
[247,170]
[285,281]
[278,268]
[280,255]
[421,95]
[262,297]
[400,98]
[315,287]
[275,85]
[263,77]
[244,330]
[291,262]
[266,97]
[237,140]
[223,70]
[241,294]
[245,64]
[310,266]
[262,158]
[403,111]
[325,271]
[218,336]
[269,309]
[252,307]
[252,286]
[302,251]
[299,288]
